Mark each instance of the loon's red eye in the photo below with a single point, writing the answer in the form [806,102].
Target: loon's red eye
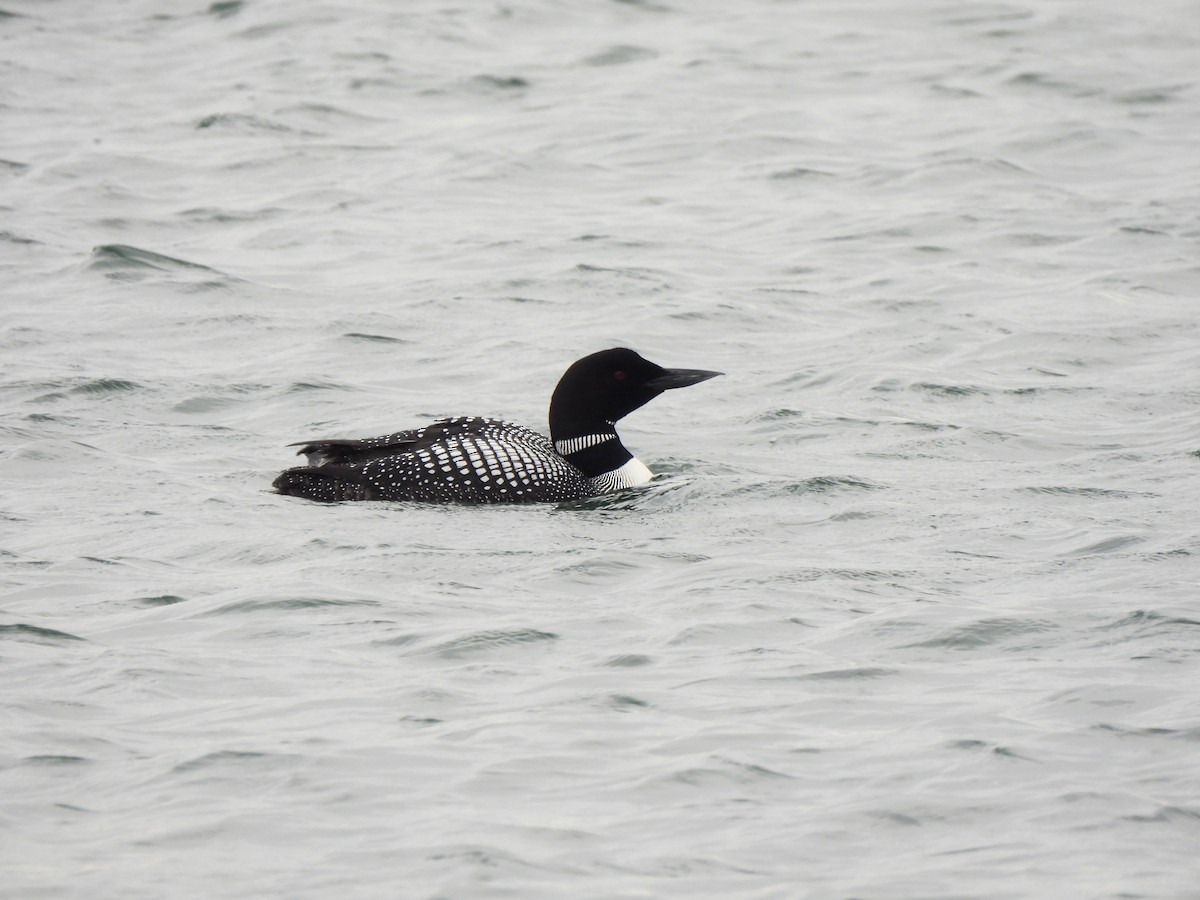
[619,375]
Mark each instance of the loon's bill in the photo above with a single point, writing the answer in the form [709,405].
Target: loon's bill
[476,460]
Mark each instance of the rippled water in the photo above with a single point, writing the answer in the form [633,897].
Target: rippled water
[911,610]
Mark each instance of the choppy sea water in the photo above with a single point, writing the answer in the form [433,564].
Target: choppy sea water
[912,609]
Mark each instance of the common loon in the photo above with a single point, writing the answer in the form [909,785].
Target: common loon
[475,460]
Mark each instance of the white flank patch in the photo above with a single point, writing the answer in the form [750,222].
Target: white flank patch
[632,473]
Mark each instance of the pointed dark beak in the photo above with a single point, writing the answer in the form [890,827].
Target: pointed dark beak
[677,378]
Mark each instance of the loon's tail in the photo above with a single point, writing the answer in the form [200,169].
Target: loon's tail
[328,484]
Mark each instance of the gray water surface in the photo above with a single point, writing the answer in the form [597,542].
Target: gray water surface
[912,609]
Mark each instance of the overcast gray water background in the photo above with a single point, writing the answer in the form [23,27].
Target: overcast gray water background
[912,611]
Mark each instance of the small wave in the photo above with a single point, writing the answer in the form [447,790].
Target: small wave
[225,9]
[399,640]
[125,255]
[822,484]
[373,338]
[123,262]
[225,216]
[300,387]
[781,413]
[201,405]
[628,661]
[948,390]
[36,634]
[985,633]
[1152,96]
[527,300]
[1142,619]
[601,568]
[968,744]
[160,600]
[858,674]
[798,172]
[1106,546]
[237,758]
[242,122]
[290,604]
[619,55]
[648,5]
[636,272]
[727,772]
[625,703]
[818,484]
[55,760]
[325,112]
[105,386]
[1182,734]
[485,641]
[1170,813]
[1043,81]
[501,82]
[1102,493]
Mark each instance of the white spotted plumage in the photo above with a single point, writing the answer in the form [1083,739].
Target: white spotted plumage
[464,460]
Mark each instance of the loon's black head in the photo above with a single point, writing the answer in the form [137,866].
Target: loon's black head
[599,390]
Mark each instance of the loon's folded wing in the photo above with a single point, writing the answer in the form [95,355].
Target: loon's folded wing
[346,452]
[357,452]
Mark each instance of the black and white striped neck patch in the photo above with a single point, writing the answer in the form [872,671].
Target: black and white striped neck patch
[567,446]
